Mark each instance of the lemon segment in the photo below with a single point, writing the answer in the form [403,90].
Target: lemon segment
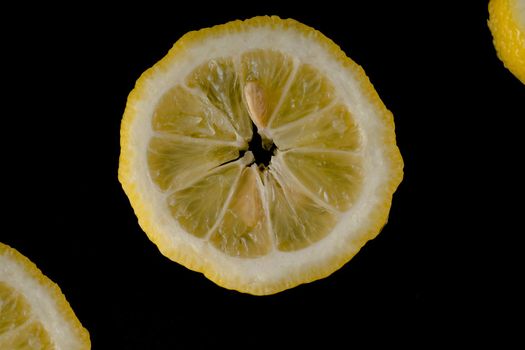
[309,92]
[332,128]
[14,309]
[176,163]
[334,177]
[31,336]
[297,220]
[243,231]
[180,112]
[271,70]
[198,207]
[219,81]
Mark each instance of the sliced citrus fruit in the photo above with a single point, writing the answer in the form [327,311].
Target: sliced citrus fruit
[257,153]
[507,24]
[34,314]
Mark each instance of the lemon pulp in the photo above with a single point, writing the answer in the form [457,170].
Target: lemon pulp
[204,124]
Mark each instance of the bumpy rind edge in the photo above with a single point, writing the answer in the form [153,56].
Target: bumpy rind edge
[54,291]
[508,39]
[190,259]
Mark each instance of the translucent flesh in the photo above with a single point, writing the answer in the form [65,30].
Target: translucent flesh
[302,189]
[180,112]
[14,310]
[197,207]
[176,163]
[297,221]
[333,177]
[333,128]
[221,85]
[17,330]
[243,231]
[309,92]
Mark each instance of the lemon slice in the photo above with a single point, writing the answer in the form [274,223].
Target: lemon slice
[257,153]
[34,314]
[507,24]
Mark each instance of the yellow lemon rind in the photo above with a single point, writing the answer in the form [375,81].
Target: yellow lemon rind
[508,38]
[192,259]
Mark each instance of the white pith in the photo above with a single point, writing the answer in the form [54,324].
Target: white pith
[43,306]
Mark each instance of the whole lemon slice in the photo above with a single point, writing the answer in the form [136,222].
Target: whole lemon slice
[257,153]
[34,314]
[507,24]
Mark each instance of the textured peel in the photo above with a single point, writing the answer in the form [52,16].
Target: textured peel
[507,24]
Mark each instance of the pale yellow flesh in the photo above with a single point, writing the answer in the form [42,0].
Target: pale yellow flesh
[220,97]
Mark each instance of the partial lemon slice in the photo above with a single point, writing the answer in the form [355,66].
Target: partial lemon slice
[507,24]
[34,314]
[257,153]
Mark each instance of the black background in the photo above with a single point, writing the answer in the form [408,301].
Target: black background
[66,76]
